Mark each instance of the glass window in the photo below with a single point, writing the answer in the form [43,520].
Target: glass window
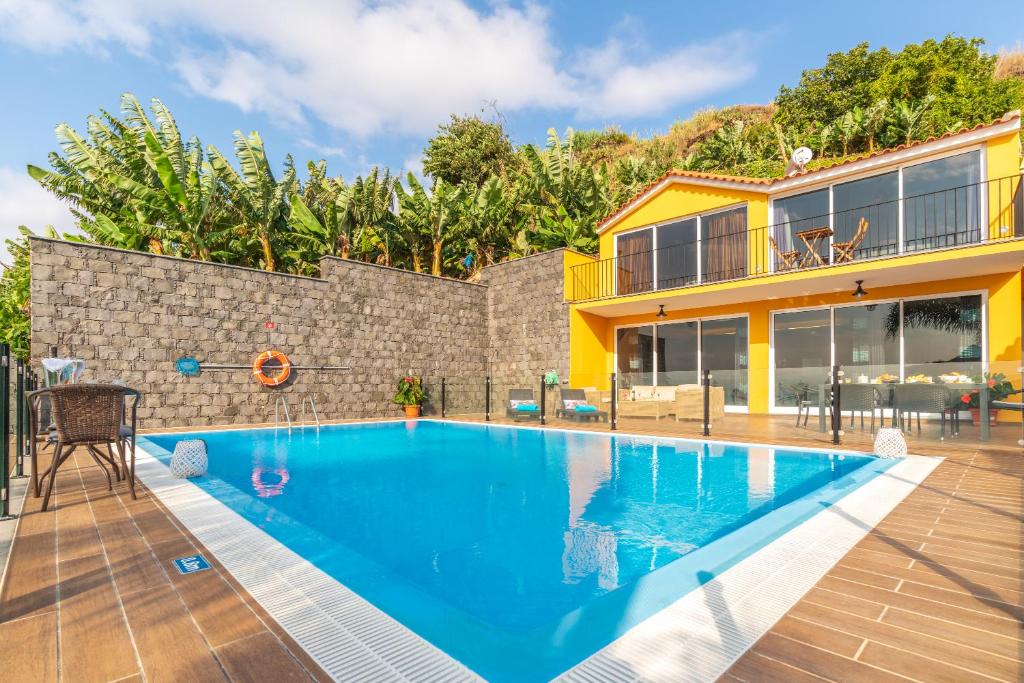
[941,336]
[873,200]
[677,254]
[802,343]
[941,202]
[724,245]
[634,348]
[867,340]
[796,214]
[634,266]
[677,354]
[724,353]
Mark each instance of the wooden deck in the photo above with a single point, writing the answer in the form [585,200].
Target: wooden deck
[934,593]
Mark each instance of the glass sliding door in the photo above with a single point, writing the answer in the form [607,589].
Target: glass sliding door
[875,201]
[634,271]
[724,352]
[803,356]
[941,202]
[793,215]
[724,245]
[677,354]
[634,350]
[677,254]
[867,341]
[942,336]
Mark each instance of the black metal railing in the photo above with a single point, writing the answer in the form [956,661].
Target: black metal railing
[961,216]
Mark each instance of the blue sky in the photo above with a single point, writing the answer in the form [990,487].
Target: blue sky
[363,83]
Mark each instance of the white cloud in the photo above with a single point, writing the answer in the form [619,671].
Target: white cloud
[399,65]
[323,150]
[24,202]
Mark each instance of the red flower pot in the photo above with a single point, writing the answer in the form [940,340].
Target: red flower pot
[993,413]
[412,411]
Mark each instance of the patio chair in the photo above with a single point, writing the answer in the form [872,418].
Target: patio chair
[90,415]
[844,251]
[908,399]
[575,398]
[522,405]
[803,402]
[860,398]
[789,259]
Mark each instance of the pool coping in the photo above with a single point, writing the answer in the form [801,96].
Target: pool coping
[702,633]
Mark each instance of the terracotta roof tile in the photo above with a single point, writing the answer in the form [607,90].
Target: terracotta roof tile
[768,182]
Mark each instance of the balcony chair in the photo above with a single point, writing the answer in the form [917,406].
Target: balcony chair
[788,259]
[908,399]
[522,405]
[572,402]
[844,251]
[90,415]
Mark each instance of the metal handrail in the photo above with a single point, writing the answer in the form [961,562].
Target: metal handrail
[280,401]
[971,214]
[312,406]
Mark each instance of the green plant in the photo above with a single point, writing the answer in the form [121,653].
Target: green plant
[410,392]
[999,388]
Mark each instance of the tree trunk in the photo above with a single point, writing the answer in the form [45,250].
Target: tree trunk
[156,246]
[435,261]
[268,253]
[417,261]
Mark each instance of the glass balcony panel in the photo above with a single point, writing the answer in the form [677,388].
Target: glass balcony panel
[634,270]
[874,200]
[724,245]
[941,205]
[677,254]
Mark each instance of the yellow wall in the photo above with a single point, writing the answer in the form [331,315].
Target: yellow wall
[591,354]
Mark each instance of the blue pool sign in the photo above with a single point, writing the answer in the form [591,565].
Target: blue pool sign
[192,564]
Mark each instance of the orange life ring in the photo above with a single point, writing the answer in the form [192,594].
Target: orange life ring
[284,370]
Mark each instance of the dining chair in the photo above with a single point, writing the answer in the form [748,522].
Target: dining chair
[911,399]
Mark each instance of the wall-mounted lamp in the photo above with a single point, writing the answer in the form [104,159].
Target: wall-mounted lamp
[661,311]
[859,292]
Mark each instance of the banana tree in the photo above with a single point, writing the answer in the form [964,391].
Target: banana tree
[258,199]
[874,119]
[907,116]
[366,204]
[434,214]
[487,219]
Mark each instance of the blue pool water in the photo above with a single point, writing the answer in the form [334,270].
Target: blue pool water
[519,552]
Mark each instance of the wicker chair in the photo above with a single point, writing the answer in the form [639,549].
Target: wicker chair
[90,415]
[909,399]
[860,398]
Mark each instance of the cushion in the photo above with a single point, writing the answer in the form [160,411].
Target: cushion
[571,403]
[642,393]
[586,409]
[665,393]
[525,406]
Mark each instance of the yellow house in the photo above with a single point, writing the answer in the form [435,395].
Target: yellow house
[905,262]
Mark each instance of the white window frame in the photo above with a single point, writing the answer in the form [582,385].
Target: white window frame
[700,348]
[791,410]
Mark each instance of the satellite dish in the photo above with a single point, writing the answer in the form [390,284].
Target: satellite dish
[801,155]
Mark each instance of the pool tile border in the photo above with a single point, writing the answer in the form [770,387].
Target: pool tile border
[697,638]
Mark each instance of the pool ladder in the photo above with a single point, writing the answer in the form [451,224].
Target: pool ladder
[281,404]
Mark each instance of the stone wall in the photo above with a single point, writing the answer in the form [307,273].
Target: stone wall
[129,315]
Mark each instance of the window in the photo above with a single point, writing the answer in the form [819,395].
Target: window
[867,340]
[677,354]
[634,348]
[677,254]
[634,270]
[795,214]
[802,344]
[941,202]
[723,346]
[724,245]
[942,336]
[874,200]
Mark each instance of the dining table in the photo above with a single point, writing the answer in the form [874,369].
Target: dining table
[812,239]
[887,388]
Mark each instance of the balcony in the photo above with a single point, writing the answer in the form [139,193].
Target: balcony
[958,217]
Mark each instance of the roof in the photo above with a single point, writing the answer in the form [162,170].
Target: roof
[767,184]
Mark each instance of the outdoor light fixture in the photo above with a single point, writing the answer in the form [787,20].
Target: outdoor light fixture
[859,292]
[661,311]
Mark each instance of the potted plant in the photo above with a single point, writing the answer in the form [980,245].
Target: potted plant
[998,389]
[410,395]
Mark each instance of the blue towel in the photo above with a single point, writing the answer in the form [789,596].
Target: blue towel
[528,408]
[586,409]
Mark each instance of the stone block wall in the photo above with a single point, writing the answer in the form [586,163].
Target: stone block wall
[129,315]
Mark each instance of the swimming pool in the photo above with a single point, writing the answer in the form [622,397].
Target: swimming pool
[519,552]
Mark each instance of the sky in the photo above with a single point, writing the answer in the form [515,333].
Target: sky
[366,83]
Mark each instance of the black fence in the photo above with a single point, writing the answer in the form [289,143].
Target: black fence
[17,380]
[961,216]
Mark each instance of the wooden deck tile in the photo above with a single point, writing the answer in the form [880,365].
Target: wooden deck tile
[259,658]
[29,648]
